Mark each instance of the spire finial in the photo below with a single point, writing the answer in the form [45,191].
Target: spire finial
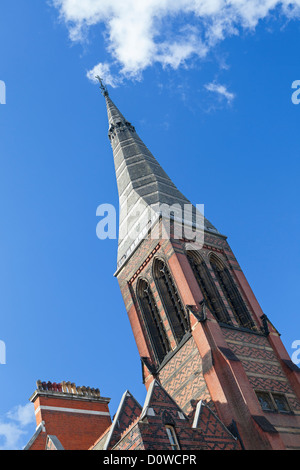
[103,87]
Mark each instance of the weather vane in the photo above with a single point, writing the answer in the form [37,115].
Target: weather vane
[102,86]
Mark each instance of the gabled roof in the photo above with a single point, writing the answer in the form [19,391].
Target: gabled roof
[136,427]
[53,443]
[128,411]
[212,428]
[38,430]
[158,395]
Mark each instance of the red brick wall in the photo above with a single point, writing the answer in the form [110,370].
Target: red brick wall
[131,440]
[150,434]
[40,442]
[183,379]
[266,374]
[228,383]
[75,431]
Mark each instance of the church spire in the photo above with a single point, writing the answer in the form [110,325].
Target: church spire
[144,187]
[113,113]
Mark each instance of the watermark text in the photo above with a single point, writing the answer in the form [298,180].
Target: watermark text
[296,94]
[139,221]
[2,353]
[2,92]
[296,353]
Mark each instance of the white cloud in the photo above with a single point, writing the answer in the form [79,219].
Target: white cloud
[23,415]
[11,434]
[14,427]
[103,71]
[140,33]
[221,90]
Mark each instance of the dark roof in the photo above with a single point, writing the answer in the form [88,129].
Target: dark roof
[143,184]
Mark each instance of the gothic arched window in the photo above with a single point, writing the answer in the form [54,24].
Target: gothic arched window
[171,299]
[153,321]
[231,293]
[171,433]
[208,288]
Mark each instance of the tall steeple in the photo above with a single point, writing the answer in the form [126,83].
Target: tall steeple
[199,330]
[145,190]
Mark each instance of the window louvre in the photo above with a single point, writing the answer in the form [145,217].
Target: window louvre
[154,323]
[209,291]
[171,300]
[231,293]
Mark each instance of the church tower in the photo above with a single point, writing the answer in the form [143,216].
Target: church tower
[199,330]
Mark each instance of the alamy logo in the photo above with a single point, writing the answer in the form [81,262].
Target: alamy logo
[296,354]
[2,92]
[138,222]
[2,353]
[296,94]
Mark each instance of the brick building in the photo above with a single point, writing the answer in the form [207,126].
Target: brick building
[216,372]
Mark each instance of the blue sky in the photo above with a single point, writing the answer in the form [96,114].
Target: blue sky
[209,91]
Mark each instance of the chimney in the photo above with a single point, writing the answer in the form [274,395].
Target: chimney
[76,416]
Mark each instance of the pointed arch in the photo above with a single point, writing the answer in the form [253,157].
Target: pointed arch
[153,321]
[170,298]
[231,292]
[208,288]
